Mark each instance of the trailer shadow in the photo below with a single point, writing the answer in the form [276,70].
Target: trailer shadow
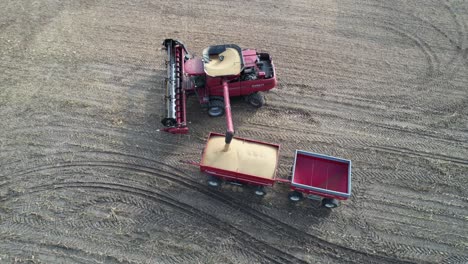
[276,201]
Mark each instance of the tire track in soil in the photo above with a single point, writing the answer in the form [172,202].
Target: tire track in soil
[57,251]
[287,230]
[461,26]
[420,228]
[360,149]
[433,62]
[461,34]
[71,131]
[300,135]
[414,211]
[35,222]
[456,260]
[382,176]
[434,27]
[71,236]
[347,141]
[387,211]
[266,251]
[435,203]
[388,241]
[104,225]
[369,125]
[146,214]
[432,59]
[447,138]
[408,152]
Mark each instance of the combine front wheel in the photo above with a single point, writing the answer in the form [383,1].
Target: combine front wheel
[216,108]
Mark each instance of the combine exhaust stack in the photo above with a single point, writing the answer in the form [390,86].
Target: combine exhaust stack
[175,98]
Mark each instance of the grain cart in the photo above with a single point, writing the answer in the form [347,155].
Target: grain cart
[252,162]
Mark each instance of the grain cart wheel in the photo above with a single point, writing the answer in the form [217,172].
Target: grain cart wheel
[260,191]
[256,100]
[329,203]
[216,108]
[295,196]
[213,181]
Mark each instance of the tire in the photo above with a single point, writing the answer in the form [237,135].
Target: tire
[216,108]
[329,203]
[260,191]
[295,196]
[213,181]
[168,122]
[256,100]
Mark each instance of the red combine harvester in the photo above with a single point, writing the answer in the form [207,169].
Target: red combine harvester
[222,72]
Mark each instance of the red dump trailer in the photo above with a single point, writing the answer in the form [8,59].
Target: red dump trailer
[314,176]
[320,177]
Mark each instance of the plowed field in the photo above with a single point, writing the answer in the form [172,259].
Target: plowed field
[87,177]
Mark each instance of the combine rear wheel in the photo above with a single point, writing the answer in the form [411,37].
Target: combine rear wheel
[216,108]
[256,100]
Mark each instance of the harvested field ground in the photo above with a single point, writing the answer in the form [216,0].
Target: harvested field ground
[86,176]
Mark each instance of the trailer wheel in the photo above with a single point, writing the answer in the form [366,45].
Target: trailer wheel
[295,196]
[213,181]
[216,108]
[260,191]
[329,203]
[256,100]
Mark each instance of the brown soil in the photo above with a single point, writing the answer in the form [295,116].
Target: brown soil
[86,176]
